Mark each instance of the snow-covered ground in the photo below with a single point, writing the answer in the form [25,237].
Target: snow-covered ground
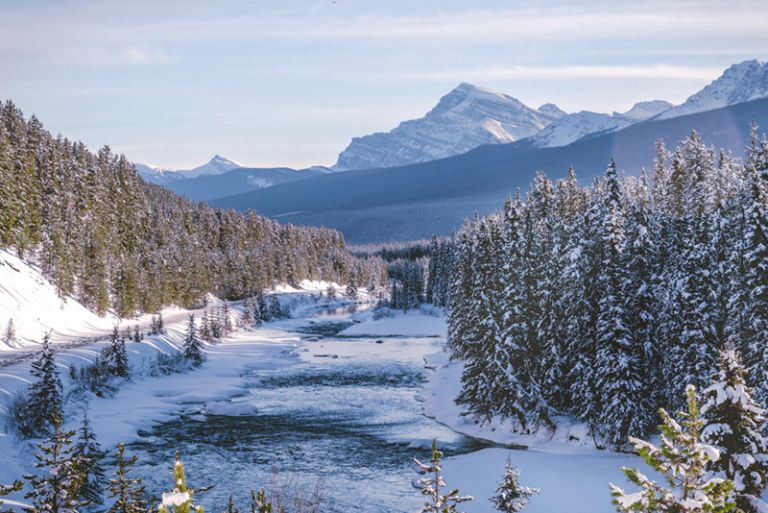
[571,472]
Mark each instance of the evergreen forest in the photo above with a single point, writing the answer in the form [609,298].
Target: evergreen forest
[110,240]
[604,302]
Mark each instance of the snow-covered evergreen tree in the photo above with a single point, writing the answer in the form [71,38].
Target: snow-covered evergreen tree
[682,459]
[511,496]
[45,395]
[734,425]
[57,489]
[438,503]
[127,491]
[193,347]
[114,355]
[88,455]
[619,373]
[226,319]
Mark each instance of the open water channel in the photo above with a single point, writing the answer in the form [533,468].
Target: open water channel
[347,412]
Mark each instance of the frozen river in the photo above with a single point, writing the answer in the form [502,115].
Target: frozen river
[347,412]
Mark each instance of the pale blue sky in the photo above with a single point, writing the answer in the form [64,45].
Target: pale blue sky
[289,83]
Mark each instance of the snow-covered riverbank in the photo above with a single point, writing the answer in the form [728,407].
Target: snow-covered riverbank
[571,472]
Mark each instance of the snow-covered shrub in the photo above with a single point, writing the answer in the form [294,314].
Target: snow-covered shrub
[164,364]
[431,310]
[383,312]
[17,417]
[92,378]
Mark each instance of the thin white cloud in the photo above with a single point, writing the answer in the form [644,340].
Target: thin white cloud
[121,56]
[658,71]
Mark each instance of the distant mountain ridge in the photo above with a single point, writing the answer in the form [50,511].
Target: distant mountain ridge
[415,201]
[572,127]
[742,82]
[465,118]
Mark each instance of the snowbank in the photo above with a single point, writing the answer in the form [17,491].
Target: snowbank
[414,323]
[35,307]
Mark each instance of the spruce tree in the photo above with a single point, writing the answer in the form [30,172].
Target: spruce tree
[510,496]
[87,452]
[432,486]
[682,460]
[734,426]
[45,395]
[128,492]
[226,320]
[115,356]
[58,488]
[192,346]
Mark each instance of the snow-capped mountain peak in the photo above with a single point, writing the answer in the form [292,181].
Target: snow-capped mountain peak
[645,110]
[157,174]
[216,166]
[740,83]
[465,118]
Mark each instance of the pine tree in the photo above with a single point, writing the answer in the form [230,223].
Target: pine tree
[226,320]
[58,488]
[181,497]
[432,485]
[45,395]
[87,452]
[9,489]
[192,346]
[137,337]
[511,496]
[682,460]
[115,356]
[734,426]
[128,491]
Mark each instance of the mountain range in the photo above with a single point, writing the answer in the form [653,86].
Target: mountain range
[417,200]
[467,117]
[507,143]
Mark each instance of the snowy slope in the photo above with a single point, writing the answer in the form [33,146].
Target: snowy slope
[740,83]
[467,117]
[572,127]
[35,307]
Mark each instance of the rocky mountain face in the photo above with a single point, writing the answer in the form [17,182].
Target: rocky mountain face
[740,83]
[467,117]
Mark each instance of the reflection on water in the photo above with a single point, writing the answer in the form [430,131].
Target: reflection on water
[347,419]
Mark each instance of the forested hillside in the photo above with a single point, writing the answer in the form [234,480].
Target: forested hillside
[106,237]
[604,302]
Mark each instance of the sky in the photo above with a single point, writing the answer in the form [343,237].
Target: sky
[291,82]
